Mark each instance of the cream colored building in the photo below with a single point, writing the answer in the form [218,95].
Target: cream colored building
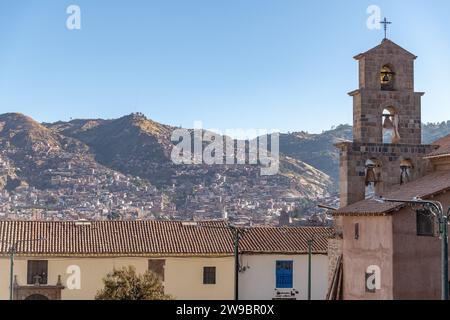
[69,260]
[183,276]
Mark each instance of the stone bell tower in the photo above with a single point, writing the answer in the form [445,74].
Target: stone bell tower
[387,149]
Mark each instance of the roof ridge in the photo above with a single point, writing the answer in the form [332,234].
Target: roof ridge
[149,237]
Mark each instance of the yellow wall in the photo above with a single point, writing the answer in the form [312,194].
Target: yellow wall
[183,275]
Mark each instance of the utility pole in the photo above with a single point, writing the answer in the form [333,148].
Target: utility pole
[444,255]
[236,264]
[12,252]
[237,234]
[437,210]
[310,244]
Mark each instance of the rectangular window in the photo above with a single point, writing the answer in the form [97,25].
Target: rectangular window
[284,274]
[37,272]
[209,275]
[425,223]
[356,231]
[157,267]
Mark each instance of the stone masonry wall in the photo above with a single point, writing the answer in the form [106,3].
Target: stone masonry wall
[352,167]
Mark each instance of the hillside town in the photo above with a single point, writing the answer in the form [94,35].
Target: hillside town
[101,208]
[79,188]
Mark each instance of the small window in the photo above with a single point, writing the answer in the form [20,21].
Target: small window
[425,223]
[284,274]
[37,272]
[356,231]
[157,267]
[209,275]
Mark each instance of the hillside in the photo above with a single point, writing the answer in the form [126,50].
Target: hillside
[318,150]
[434,131]
[115,167]
[131,144]
[33,150]
[121,168]
[139,146]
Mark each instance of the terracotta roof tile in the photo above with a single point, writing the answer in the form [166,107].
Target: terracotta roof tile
[427,186]
[444,148]
[127,238]
[285,240]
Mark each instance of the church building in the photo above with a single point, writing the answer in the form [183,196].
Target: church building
[396,244]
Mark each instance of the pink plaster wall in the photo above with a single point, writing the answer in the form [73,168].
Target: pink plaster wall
[374,247]
[417,260]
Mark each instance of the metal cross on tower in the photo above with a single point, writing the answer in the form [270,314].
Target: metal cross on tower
[385,22]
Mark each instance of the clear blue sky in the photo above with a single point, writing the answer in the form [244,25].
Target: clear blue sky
[284,64]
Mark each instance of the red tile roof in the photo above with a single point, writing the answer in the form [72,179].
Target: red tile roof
[432,184]
[444,148]
[134,238]
[285,240]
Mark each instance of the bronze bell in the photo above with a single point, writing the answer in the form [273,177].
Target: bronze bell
[370,176]
[388,123]
[386,78]
[370,172]
[405,164]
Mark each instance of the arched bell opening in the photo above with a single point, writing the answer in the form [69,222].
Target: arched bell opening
[390,121]
[406,171]
[36,297]
[372,176]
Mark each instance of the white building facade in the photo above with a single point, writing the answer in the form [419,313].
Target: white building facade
[274,263]
[278,276]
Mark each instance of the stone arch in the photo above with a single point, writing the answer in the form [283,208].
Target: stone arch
[37,296]
[373,167]
[406,170]
[390,122]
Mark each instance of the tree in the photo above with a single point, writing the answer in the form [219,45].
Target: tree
[113,215]
[52,201]
[126,284]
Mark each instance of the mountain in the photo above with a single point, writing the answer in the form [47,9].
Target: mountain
[25,133]
[112,167]
[434,131]
[318,150]
[33,149]
[97,167]
[139,146]
[131,144]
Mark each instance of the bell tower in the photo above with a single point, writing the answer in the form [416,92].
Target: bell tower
[386,99]
[387,128]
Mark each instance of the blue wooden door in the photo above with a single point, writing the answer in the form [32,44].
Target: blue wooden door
[284,274]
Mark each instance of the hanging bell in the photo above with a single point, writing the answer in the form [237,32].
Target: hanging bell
[405,164]
[370,177]
[404,174]
[388,125]
[386,78]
